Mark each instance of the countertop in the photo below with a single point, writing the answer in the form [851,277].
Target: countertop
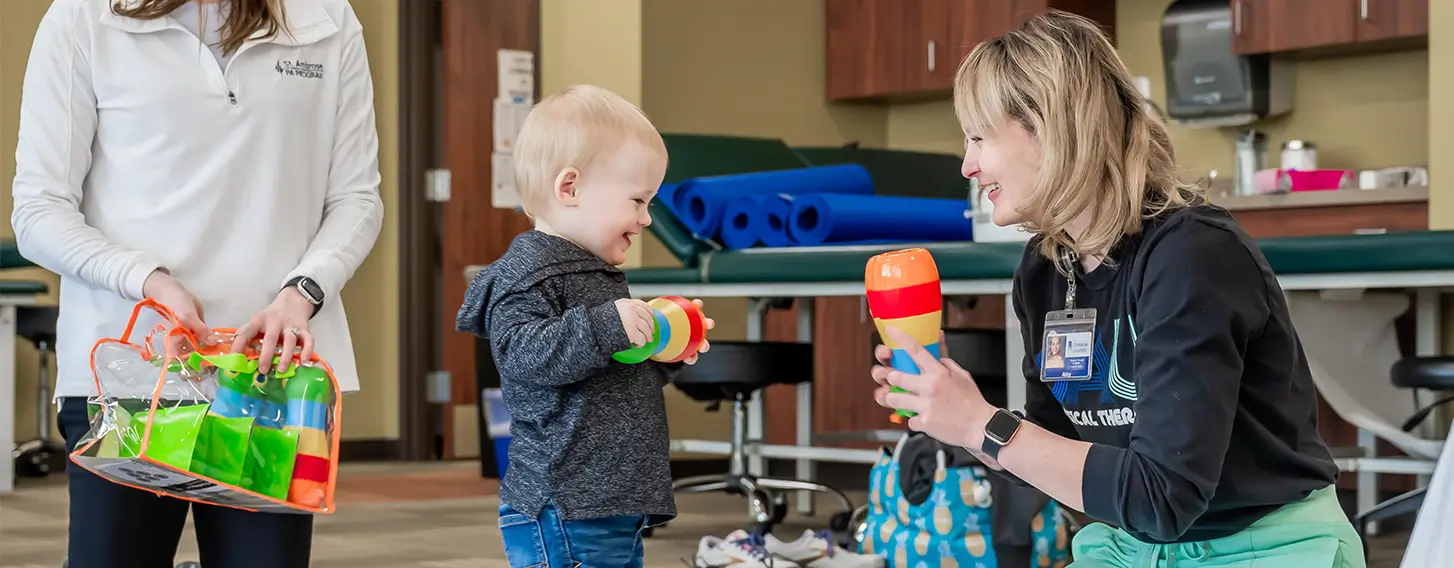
[1330,198]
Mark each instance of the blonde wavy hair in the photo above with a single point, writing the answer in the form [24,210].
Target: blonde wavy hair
[1105,149]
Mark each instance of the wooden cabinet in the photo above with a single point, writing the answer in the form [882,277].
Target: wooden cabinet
[1271,26]
[898,48]
[1392,19]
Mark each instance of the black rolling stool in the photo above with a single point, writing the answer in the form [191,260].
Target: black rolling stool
[736,371]
[43,455]
[1429,373]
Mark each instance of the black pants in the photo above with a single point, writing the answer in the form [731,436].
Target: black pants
[114,526]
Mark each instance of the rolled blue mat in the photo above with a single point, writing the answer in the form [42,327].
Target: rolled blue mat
[668,194]
[741,221]
[777,210]
[828,218]
[701,200]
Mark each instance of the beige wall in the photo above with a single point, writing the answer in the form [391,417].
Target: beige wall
[373,293]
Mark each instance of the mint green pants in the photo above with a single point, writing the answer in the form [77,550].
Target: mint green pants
[1312,533]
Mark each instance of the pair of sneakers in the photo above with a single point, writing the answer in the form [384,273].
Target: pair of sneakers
[741,549]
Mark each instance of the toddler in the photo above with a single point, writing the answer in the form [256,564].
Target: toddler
[589,458]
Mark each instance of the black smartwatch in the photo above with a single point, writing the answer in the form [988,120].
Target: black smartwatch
[309,289]
[1000,430]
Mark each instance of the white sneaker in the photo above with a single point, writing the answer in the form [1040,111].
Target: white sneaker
[737,550]
[817,550]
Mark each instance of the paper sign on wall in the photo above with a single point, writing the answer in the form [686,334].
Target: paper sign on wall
[516,75]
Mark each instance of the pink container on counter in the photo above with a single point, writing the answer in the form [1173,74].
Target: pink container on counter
[1283,181]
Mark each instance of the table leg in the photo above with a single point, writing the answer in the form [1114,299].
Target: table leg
[7,390]
[1428,339]
[1367,492]
[756,327]
[1014,358]
[805,468]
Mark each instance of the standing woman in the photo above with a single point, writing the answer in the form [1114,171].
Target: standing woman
[221,157]
[1188,426]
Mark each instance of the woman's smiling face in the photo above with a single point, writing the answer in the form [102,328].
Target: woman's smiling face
[1006,163]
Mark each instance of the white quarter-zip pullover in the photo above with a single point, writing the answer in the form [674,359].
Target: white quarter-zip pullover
[135,153]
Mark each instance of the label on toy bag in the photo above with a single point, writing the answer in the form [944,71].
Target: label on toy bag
[147,475]
[1067,351]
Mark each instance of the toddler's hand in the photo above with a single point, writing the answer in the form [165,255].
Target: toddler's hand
[638,319]
[705,344]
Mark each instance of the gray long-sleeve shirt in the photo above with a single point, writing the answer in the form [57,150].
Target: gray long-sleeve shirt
[589,433]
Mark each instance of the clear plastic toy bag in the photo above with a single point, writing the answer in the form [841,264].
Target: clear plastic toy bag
[183,417]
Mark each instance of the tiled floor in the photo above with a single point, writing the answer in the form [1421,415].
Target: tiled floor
[431,516]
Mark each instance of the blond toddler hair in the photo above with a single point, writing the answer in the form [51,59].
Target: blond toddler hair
[574,128]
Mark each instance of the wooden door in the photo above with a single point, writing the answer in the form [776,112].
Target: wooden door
[1389,19]
[472,231]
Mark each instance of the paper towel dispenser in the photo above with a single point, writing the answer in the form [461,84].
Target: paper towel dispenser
[1207,84]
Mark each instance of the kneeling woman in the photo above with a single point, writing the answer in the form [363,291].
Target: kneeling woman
[1183,413]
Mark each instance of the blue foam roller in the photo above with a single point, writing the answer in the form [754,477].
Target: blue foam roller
[741,220]
[829,218]
[776,212]
[668,196]
[701,200]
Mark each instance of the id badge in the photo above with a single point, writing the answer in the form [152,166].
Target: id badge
[1069,345]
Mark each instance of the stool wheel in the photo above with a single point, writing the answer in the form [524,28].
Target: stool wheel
[776,513]
[39,458]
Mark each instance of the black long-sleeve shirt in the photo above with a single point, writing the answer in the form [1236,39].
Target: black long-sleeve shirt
[589,434]
[1201,408]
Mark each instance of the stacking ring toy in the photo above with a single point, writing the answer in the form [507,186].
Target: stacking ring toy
[678,334]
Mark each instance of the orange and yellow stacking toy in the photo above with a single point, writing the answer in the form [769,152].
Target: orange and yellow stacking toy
[680,328]
[903,292]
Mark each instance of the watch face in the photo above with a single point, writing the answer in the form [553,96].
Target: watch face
[311,290]
[1001,426]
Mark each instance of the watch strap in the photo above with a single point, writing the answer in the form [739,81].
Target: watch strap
[301,284]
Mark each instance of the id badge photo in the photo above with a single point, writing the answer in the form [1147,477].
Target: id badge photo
[1069,345]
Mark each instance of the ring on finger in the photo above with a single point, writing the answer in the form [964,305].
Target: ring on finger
[294,331]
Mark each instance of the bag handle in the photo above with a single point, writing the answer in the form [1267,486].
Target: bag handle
[161,310]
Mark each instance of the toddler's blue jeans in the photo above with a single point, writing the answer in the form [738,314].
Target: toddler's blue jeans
[552,542]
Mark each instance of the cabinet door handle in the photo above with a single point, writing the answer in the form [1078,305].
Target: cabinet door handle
[1363,9]
[931,56]
[1237,17]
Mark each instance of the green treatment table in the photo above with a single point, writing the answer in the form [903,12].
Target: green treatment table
[1338,265]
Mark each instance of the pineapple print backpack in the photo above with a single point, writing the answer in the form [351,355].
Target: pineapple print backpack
[954,526]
